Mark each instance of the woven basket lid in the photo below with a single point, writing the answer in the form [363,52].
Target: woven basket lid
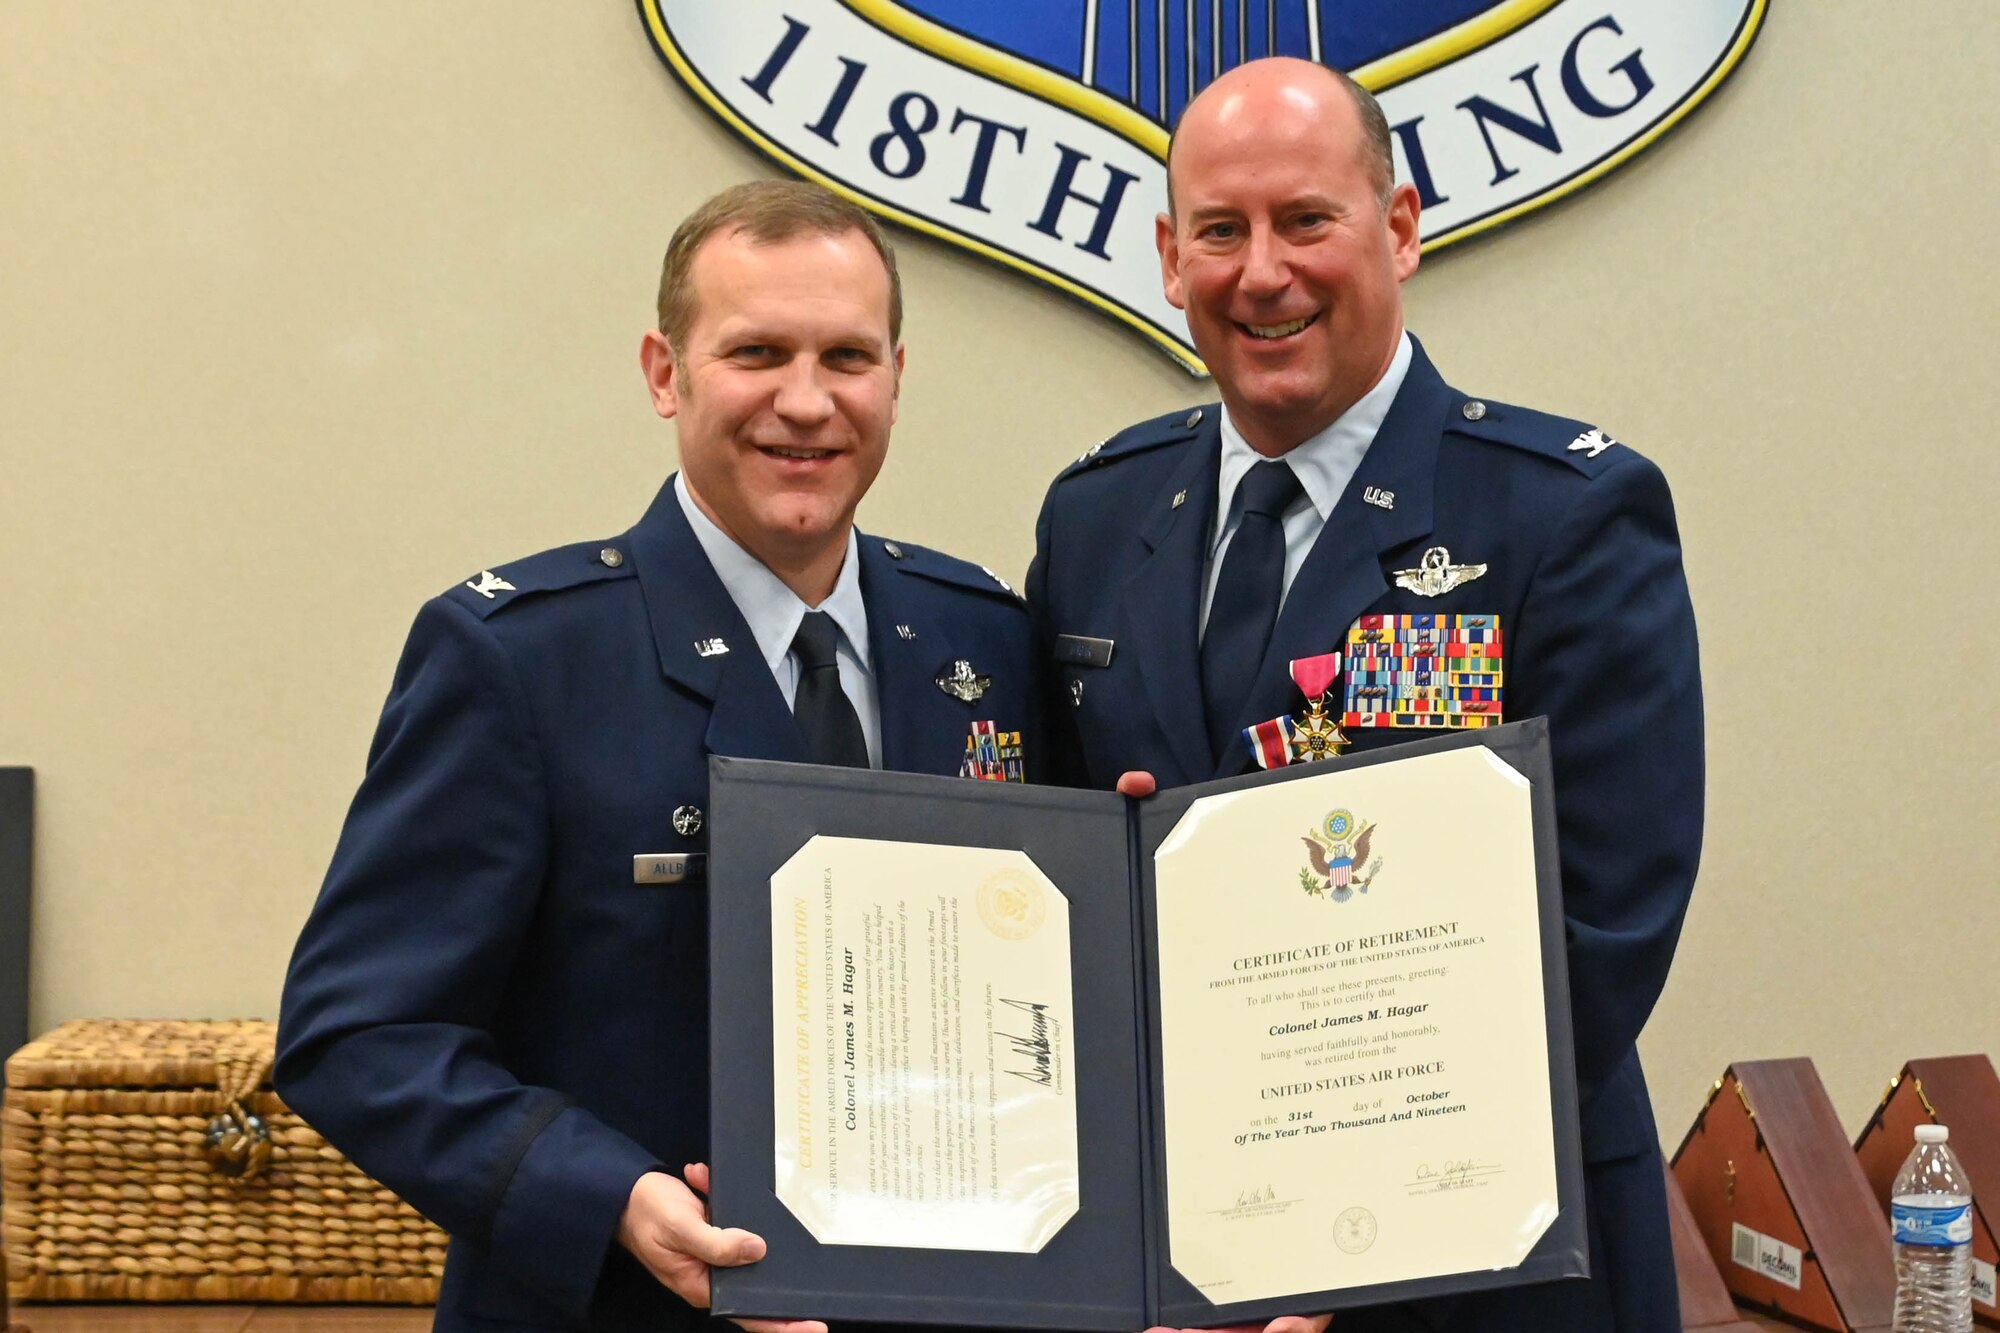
[138,1053]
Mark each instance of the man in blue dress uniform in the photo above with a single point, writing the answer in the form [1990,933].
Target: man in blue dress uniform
[1194,575]
[499,1006]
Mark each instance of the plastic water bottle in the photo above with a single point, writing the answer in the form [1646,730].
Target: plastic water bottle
[1930,1213]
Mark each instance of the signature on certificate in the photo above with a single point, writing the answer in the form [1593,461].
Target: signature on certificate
[1260,1200]
[1452,1173]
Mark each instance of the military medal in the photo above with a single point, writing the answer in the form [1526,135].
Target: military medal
[1286,740]
[1316,736]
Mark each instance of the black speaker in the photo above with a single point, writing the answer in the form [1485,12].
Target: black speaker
[17,843]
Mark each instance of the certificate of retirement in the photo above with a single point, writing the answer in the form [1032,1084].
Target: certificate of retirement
[1354,1046]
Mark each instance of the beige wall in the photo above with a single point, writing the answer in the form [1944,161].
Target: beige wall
[311,310]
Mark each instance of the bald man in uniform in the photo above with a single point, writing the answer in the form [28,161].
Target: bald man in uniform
[1340,479]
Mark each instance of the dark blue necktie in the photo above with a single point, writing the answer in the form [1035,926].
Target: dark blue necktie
[827,721]
[1245,605]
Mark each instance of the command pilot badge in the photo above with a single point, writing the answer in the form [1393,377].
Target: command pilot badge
[1435,575]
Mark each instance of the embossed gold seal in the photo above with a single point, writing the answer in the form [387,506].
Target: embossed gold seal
[1012,904]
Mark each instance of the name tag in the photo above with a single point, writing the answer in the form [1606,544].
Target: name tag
[669,867]
[1081,650]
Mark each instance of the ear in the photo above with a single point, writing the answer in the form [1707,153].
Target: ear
[1169,246]
[1405,235]
[656,358]
[896,385]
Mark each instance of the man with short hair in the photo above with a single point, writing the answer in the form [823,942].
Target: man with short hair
[499,1007]
[1341,486]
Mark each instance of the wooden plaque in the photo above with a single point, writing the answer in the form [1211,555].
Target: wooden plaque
[1963,1092]
[1705,1302]
[1781,1203]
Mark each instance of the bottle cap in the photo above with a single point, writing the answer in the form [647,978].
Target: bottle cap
[1932,1133]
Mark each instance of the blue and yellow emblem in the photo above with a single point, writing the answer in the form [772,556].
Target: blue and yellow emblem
[1034,132]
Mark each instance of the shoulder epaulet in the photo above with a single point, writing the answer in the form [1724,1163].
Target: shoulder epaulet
[941,568]
[1172,428]
[1578,443]
[551,571]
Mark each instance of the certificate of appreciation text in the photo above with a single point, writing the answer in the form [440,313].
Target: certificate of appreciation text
[922,1085]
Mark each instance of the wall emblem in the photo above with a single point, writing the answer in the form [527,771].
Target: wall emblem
[1034,132]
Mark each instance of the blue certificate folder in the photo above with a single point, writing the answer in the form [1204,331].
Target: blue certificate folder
[1109,1267]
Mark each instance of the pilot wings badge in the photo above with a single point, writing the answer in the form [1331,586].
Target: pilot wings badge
[1435,575]
[1034,133]
[1337,856]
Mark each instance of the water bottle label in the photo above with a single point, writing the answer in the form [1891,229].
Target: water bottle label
[1982,1284]
[1931,1226]
[1767,1255]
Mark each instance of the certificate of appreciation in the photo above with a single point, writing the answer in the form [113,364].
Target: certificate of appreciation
[921,1076]
[1025,1057]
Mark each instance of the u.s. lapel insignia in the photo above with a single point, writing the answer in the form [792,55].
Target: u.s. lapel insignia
[489,583]
[1378,497]
[905,632]
[1593,440]
[1435,575]
[1315,736]
[710,647]
[963,683]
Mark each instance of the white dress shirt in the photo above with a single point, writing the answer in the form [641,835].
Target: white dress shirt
[774,612]
[1323,464]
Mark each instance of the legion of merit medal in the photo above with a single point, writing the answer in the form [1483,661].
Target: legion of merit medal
[1315,735]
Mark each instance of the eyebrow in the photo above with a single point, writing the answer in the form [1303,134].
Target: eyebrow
[1316,202]
[780,336]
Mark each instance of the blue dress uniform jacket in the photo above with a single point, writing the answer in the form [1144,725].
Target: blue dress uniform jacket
[1584,569]
[484,1010]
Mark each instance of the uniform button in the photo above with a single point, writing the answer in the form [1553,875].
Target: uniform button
[895,551]
[687,820]
[611,557]
[1473,409]
[1193,419]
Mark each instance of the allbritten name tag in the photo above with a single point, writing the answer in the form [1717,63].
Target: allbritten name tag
[669,867]
[1423,671]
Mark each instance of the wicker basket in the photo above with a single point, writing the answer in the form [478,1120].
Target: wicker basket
[150,1161]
